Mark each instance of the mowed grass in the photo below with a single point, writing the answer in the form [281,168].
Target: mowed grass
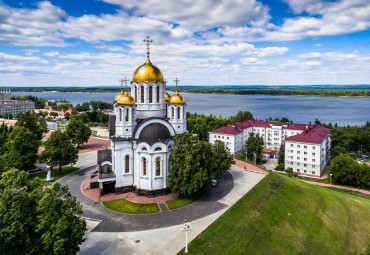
[181,201]
[54,173]
[282,215]
[125,206]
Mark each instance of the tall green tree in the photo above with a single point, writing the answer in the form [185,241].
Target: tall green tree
[21,149]
[33,122]
[281,158]
[59,151]
[221,158]
[240,116]
[192,165]
[78,131]
[36,219]
[347,171]
[254,145]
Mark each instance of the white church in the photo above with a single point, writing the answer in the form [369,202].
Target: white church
[141,130]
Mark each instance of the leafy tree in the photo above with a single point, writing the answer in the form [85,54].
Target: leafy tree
[65,106]
[59,151]
[43,114]
[240,116]
[85,106]
[284,119]
[280,167]
[281,158]
[53,114]
[345,170]
[20,149]
[100,105]
[4,134]
[254,145]
[191,165]
[67,115]
[289,171]
[221,158]
[8,115]
[33,122]
[36,219]
[78,131]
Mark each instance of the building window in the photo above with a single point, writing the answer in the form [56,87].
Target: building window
[305,171]
[172,112]
[298,164]
[313,147]
[144,166]
[158,166]
[158,94]
[305,147]
[135,88]
[305,159]
[305,165]
[313,153]
[142,94]
[298,170]
[305,153]
[298,146]
[127,164]
[127,115]
[291,145]
[313,160]
[150,94]
[298,152]
[313,166]
[178,113]
[313,172]
[298,158]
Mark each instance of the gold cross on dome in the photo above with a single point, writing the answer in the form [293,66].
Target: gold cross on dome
[148,41]
[122,81]
[176,81]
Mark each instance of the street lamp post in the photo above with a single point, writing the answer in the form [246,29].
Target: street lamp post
[330,178]
[255,158]
[185,229]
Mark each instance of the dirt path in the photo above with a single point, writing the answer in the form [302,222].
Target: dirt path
[337,186]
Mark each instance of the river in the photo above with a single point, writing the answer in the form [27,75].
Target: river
[300,109]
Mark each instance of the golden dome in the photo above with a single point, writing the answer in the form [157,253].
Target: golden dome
[147,73]
[118,96]
[126,99]
[167,97]
[177,99]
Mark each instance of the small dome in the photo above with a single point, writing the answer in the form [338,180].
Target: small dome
[177,99]
[154,132]
[126,99]
[147,73]
[118,96]
[167,97]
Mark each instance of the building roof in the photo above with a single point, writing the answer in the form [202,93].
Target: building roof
[313,134]
[228,130]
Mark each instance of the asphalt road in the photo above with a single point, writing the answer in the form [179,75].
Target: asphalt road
[112,221]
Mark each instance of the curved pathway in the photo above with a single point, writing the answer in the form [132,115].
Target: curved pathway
[112,221]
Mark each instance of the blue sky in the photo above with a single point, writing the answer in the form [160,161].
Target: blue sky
[224,42]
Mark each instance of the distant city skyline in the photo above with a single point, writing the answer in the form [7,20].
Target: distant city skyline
[227,42]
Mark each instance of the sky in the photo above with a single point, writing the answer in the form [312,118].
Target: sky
[205,42]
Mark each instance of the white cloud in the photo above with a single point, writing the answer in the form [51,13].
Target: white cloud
[200,15]
[254,61]
[51,53]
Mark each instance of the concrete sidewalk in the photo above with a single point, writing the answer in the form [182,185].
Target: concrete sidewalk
[168,240]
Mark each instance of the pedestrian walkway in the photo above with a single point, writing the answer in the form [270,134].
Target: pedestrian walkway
[249,167]
[366,192]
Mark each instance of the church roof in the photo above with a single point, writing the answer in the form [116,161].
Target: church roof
[154,132]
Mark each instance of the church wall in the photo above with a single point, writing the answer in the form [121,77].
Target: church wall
[121,149]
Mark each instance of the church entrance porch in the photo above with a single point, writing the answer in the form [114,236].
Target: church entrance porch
[108,187]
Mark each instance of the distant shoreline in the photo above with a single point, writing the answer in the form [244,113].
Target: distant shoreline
[318,92]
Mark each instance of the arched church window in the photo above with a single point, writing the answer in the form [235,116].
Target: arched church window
[178,113]
[158,94]
[172,113]
[158,166]
[127,112]
[158,149]
[144,149]
[127,164]
[144,166]
[135,88]
[150,94]
[120,114]
[142,94]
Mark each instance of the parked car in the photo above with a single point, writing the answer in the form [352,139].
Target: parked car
[214,182]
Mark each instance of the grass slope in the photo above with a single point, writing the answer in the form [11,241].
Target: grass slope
[282,215]
[181,201]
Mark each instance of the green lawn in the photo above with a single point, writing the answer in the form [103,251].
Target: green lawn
[282,215]
[180,201]
[54,173]
[124,206]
